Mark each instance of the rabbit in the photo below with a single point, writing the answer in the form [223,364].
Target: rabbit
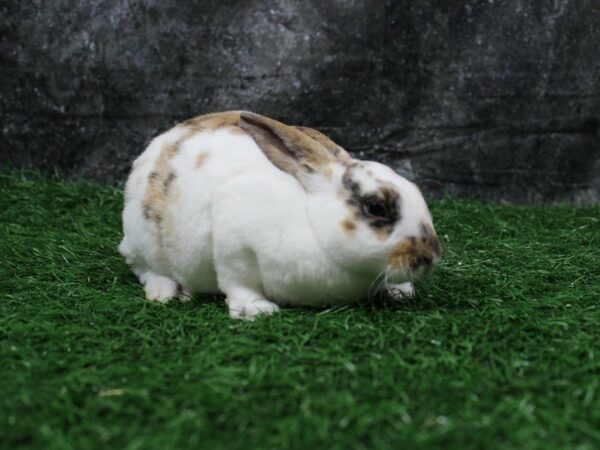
[269,215]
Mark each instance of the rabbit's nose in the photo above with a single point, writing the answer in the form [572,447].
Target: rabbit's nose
[419,253]
[423,259]
[425,254]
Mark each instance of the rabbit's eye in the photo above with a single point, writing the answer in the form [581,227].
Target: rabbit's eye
[375,207]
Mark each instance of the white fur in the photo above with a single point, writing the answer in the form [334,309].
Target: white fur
[239,225]
[401,290]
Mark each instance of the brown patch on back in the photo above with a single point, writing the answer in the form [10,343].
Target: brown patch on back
[212,121]
[161,177]
[315,150]
[159,181]
[231,121]
[171,177]
[235,129]
[201,159]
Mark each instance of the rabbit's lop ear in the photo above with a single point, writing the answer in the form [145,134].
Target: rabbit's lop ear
[288,148]
[338,152]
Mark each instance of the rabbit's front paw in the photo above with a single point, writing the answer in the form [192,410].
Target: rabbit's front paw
[158,287]
[250,307]
[401,291]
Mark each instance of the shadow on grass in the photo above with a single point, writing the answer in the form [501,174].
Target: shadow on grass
[437,292]
[428,296]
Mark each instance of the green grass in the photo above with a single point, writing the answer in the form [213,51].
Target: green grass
[500,348]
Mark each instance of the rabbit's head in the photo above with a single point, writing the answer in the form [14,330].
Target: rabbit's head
[366,217]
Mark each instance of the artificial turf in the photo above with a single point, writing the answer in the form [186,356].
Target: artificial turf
[499,349]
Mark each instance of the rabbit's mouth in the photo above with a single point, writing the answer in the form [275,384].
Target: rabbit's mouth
[396,275]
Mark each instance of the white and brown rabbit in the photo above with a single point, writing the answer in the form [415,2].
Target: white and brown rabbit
[269,215]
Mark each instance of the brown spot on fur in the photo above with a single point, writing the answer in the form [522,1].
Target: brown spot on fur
[201,159]
[231,121]
[212,121]
[146,212]
[311,149]
[235,129]
[154,201]
[158,183]
[168,181]
[349,226]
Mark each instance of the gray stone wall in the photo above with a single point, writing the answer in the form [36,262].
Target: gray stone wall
[495,98]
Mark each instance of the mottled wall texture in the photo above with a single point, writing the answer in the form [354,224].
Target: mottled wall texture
[495,98]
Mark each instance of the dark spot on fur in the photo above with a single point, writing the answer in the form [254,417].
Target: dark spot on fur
[146,212]
[307,167]
[150,213]
[154,176]
[350,184]
[379,209]
[168,181]
[419,259]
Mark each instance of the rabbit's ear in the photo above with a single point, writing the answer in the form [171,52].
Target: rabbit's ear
[288,148]
[338,152]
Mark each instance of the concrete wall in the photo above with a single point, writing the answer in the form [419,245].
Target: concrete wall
[497,98]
